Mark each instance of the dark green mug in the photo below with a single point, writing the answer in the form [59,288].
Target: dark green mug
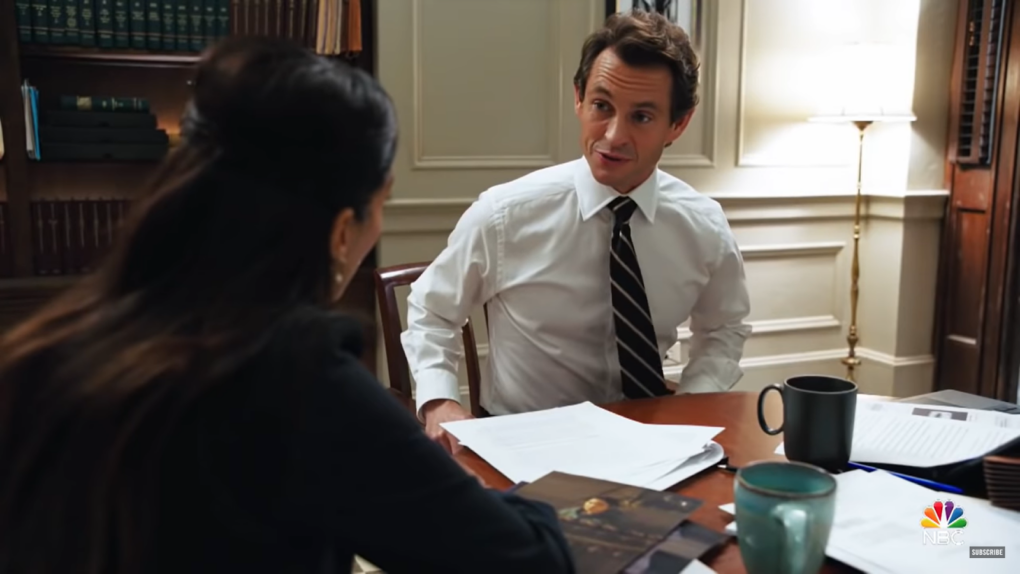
[818,419]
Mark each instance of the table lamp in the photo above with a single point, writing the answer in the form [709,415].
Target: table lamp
[869,71]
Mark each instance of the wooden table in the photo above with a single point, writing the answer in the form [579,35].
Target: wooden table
[743,441]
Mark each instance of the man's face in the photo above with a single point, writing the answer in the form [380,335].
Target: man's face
[625,121]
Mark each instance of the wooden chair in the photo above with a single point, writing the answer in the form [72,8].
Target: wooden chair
[387,279]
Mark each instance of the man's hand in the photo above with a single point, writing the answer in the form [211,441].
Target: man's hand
[443,411]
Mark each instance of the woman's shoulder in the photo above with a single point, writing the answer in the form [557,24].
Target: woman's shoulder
[317,357]
[309,354]
[313,345]
[317,332]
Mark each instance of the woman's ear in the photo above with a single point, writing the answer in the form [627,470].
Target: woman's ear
[342,235]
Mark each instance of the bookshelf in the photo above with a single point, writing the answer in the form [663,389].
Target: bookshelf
[28,277]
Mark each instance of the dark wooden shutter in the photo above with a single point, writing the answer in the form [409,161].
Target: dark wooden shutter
[975,116]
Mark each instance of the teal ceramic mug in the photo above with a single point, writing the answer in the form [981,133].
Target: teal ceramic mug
[784,514]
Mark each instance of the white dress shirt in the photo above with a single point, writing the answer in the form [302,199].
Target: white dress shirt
[536,252]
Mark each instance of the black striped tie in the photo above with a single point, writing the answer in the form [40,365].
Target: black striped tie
[640,362]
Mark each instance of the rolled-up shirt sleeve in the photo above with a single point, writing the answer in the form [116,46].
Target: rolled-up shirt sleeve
[718,326]
[463,276]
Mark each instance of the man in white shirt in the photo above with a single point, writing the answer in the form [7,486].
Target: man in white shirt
[588,268]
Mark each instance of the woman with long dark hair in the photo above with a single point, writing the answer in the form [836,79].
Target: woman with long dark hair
[194,407]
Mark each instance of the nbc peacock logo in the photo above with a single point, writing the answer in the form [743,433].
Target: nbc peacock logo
[943,524]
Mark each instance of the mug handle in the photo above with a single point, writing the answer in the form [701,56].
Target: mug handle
[761,410]
[794,521]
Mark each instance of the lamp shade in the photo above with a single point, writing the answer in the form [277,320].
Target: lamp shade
[867,83]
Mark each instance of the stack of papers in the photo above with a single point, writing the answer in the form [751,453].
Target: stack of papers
[586,440]
[924,436]
[877,528]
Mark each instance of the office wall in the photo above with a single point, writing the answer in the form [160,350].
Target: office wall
[483,90]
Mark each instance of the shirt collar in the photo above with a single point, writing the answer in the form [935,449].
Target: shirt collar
[593,196]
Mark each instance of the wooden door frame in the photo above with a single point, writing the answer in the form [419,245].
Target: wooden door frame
[1000,284]
[997,333]
[1007,378]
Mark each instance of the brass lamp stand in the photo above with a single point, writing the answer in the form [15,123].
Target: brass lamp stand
[862,121]
[866,92]
[851,361]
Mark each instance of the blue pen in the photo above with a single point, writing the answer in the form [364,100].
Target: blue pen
[515,487]
[914,479]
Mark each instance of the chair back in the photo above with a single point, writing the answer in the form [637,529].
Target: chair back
[387,279]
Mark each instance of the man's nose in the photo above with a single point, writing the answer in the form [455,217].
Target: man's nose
[616,131]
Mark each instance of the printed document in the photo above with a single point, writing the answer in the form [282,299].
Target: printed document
[905,434]
[975,416]
[587,440]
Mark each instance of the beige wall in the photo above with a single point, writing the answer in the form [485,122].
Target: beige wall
[483,90]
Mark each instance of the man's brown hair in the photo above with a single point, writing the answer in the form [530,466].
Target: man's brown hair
[645,39]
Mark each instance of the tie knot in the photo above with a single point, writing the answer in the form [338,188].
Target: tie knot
[623,208]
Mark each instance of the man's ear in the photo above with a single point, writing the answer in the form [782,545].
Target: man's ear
[678,128]
[340,236]
[578,100]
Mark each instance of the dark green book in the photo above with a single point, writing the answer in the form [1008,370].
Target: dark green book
[183,27]
[153,24]
[58,22]
[24,9]
[222,18]
[40,21]
[105,24]
[103,104]
[169,17]
[121,23]
[87,22]
[196,31]
[136,29]
[71,33]
[76,118]
[209,25]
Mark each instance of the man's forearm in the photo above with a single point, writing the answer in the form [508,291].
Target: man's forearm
[714,364]
[435,384]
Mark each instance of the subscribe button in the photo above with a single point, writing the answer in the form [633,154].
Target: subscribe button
[987,551]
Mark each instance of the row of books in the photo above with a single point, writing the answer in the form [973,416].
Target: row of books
[87,128]
[70,237]
[173,25]
[329,27]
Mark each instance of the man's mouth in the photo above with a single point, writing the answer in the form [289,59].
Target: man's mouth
[611,157]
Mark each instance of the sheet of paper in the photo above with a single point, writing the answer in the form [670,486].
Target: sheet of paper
[975,416]
[711,456]
[877,528]
[583,421]
[899,433]
[729,509]
[698,567]
[881,437]
[585,440]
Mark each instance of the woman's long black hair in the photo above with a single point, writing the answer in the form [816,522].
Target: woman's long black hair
[235,232]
